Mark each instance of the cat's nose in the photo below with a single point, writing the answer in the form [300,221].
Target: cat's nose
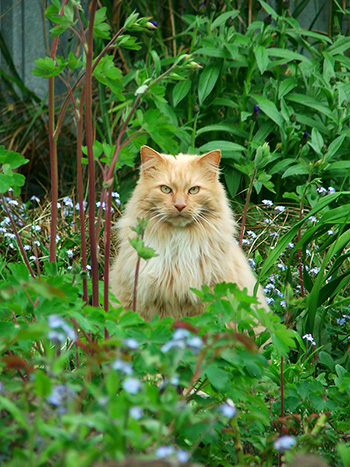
[180,207]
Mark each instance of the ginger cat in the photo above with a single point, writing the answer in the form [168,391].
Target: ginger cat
[192,230]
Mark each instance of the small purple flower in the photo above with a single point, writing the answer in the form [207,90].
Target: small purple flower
[304,138]
[284,442]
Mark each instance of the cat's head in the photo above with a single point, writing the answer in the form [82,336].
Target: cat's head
[180,190]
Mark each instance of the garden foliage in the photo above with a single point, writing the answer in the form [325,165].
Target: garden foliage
[84,382]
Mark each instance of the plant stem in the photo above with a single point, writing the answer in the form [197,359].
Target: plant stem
[20,245]
[90,154]
[251,183]
[80,194]
[53,152]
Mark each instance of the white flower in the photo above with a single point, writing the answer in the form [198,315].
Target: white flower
[181,334]
[284,442]
[251,234]
[68,201]
[229,410]
[330,232]
[132,385]
[36,227]
[36,242]
[309,338]
[13,202]
[267,202]
[136,413]
[182,456]
[312,219]
[331,190]
[125,367]
[35,198]
[195,341]
[321,190]
[164,451]
[131,343]
[70,253]
[280,208]
[290,245]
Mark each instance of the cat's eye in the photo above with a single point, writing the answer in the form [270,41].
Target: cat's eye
[194,190]
[166,189]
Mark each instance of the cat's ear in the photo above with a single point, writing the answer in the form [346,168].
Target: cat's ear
[150,158]
[211,160]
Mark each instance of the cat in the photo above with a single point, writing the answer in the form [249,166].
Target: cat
[191,228]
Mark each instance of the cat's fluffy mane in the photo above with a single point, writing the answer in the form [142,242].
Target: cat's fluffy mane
[192,232]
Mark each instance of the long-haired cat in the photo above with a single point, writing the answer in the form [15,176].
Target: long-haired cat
[191,228]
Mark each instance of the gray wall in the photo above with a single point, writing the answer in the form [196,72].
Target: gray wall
[22,28]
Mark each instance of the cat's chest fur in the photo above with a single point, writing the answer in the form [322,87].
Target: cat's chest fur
[184,261]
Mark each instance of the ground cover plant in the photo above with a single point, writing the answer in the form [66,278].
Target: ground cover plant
[87,383]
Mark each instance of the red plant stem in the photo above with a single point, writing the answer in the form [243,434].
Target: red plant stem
[81,77]
[251,183]
[20,245]
[53,151]
[81,195]
[91,162]
[107,248]
[282,389]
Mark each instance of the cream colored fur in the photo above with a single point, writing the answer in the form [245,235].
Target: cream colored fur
[193,235]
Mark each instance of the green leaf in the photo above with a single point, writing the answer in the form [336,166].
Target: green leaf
[142,250]
[269,108]
[286,86]
[334,147]
[47,67]
[180,91]
[207,80]
[101,27]
[287,55]
[311,102]
[316,141]
[262,58]
[223,145]
[42,384]
[213,52]
[16,413]
[217,377]
[223,18]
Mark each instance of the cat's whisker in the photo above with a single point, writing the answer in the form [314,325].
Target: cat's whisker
[208,222]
